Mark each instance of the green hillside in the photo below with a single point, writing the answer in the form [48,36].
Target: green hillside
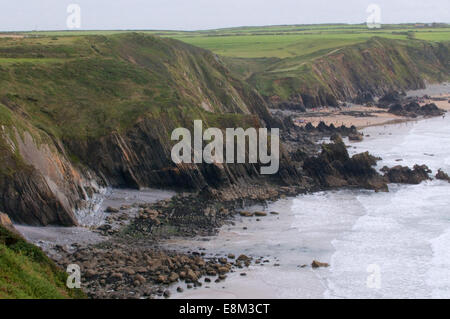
[26,272]
[107,105]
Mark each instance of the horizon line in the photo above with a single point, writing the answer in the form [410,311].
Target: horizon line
[224,28]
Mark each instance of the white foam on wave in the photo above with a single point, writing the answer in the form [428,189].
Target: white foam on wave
[438,275]
[406,232]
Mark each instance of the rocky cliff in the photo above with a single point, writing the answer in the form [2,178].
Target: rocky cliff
[82,112]
[354,73]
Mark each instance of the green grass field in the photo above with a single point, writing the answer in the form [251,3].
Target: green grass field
[263,54]
[282,41]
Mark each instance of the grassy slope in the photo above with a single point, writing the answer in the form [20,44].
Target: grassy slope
[283,60]
[90,86]
[82,88]
[392,61]
[25,272]
[269,53]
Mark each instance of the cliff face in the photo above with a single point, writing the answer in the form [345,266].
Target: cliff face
[94,111]
[355,73]
[38,184]
[81,112]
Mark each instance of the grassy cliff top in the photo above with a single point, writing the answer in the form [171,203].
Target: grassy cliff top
[90,86]
[283,41]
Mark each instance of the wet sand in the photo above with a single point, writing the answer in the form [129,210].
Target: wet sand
[284,271]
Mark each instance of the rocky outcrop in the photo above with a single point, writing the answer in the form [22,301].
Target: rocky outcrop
[335,168]
[442,176]
[413,109]
[406,175]
[390,98]
[42,187]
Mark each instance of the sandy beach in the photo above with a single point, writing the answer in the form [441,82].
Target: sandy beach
[364,116]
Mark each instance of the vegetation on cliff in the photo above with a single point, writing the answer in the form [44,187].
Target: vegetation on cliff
[78,111]
[26,272]
[102,108]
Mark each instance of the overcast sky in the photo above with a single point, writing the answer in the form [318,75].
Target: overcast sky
[18,15]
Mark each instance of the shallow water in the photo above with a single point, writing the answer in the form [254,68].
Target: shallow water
[379,245]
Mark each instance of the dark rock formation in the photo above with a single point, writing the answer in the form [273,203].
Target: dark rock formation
[406,175]
[363,98]
[390,98]
[28,199]
[431,110]
[442,176]
[358,137]
[292,106]
[318,264]
[397,109]
[410,108]
[334,168]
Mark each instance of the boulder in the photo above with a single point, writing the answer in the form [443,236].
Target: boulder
[260,214]
[191,275]
[110,209]
[412,107]
[246,214]
[431,110]
[397,109]
[405,175]
[318,264]
[442,176]
[173,277]
[355,137]
[243,258]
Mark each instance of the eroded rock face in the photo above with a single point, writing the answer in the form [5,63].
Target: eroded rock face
[43,187]
[48,171]
[405,175]
[335,168]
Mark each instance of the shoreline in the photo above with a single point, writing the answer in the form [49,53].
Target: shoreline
[265,282]
[154,247]
[364,116]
